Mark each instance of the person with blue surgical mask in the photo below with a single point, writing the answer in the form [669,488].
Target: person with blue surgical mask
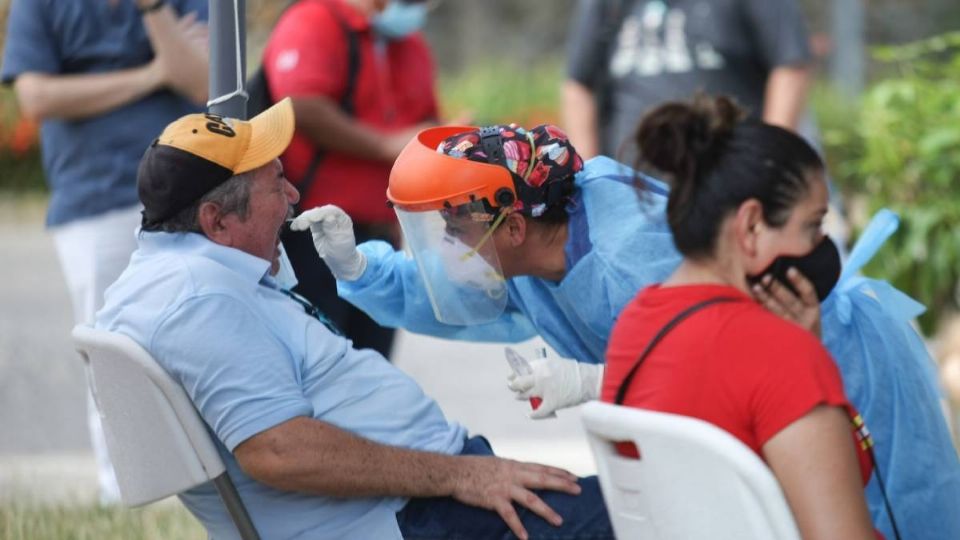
[571,243]
[401,18]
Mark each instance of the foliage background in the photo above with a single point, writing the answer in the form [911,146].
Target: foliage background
[899,147]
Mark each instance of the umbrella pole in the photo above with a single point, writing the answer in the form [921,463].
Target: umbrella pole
[228,54]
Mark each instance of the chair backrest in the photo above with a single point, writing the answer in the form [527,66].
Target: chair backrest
[157,441]
[692,480]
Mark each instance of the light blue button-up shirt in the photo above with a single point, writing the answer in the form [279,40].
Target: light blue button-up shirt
[250,359]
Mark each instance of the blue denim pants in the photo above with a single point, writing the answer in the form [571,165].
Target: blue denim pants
[443,518]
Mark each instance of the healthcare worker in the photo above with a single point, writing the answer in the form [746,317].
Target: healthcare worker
[512,237]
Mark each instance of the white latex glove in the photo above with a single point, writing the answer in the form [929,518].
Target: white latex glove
[333,238]
[559,382]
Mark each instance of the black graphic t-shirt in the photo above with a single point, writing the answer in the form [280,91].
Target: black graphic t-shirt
[635,54]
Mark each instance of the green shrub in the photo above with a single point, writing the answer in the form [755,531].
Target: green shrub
[20,167]
[901,149]
[503,93]
[21,172]
[837,117]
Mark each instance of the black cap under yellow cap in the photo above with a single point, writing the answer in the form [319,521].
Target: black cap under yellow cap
[199,152]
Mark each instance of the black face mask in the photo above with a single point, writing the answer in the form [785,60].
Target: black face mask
[821,266]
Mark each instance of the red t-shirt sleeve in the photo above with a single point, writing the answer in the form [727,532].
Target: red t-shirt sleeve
[307,53]
[785,387]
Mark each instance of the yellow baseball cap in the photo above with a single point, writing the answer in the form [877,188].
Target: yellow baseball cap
[198,152]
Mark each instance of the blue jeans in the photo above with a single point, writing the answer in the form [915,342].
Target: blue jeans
[443,518]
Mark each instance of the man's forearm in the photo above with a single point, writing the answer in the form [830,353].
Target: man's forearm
[74,97]
[311,456]
[786,95]
[331,129]
[580,118]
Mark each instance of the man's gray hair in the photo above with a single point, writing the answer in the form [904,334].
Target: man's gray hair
[232,196]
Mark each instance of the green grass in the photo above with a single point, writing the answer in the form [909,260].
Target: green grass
[156,522]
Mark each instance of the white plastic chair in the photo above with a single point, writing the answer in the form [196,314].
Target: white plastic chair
[157,441]
[692,481]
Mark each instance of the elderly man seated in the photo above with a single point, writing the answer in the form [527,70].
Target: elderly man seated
[322,440]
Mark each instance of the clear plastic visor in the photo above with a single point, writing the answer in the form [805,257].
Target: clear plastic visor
[457,261]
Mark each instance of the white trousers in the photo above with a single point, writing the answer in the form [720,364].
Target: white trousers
[93,252]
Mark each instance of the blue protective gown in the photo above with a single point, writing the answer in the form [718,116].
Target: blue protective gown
[619,243]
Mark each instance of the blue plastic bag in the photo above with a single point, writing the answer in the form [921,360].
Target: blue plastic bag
[891,379]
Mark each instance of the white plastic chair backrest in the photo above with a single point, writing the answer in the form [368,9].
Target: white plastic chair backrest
[693,480]
[157,441]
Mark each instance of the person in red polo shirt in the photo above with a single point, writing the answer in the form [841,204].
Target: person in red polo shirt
[744,194]
[362,82]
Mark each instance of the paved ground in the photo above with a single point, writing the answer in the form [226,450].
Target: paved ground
[44,450]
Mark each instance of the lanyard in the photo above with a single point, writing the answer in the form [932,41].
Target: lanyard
[312,310]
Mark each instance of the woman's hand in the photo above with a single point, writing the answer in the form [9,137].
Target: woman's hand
[802,308]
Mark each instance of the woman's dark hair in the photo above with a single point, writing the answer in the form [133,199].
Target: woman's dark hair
[716,160]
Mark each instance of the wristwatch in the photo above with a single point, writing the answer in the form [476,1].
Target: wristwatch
[157,4]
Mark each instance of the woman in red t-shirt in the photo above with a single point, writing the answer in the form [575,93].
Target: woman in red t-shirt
[743,194]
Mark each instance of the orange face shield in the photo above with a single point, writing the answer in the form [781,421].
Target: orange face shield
[423,179]
[443,206]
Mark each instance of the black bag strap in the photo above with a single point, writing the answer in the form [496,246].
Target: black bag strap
[883,491]
[625,384]
[347,103]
